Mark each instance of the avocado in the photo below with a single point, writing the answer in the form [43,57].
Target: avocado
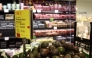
[15,56]
[55,56]
[70,52]
[29,51]
[39,47]
[61,50]
[35,53]
[62,41]
[67,56]
[31,56]
[51,47]
[0,53]
[21,55]
[8,56]
[44,52]
[54,52]
[76,49]
[81,55]
[44,44]
[35,49]
[61,56]
[56,44]
[2,57]
[68,46]
[47,57]
[75,56]
[38,55]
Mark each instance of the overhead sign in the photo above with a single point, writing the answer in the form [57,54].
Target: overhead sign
[23,23]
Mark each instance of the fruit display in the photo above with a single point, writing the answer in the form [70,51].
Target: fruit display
[53,32]
[50,24]
[55,6]
[57,49]
[55,16]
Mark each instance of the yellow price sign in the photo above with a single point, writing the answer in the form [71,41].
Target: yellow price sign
[23,23]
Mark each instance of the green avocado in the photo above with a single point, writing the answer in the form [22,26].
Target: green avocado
[21,55]
[8,56]
[76,56]
[35,53]
[61,50]
[2,57]
[56,44]
[51,47]
[55,57]
[29,51]
[62,41]
[31,56]
[67,56]
[44,44]
[55,52]
[15,56]
[35,49]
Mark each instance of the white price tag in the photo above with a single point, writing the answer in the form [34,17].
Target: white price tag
[55,27]
[34,11]
[6,10]
[56,11]
[6,38]
[39,11]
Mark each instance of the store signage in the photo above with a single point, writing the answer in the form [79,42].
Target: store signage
[82,12]
[22,24]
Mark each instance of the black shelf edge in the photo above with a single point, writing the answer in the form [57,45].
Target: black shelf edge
[53,28]
[6,20]
[7,36]
[86,41]
[52,12]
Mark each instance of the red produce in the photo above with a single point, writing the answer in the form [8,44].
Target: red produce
[52,7]
[56,6]
[37,16]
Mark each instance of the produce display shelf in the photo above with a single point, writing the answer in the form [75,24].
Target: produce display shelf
[61,1]
[53,12]
[55,19]
[53,28]
[54,35]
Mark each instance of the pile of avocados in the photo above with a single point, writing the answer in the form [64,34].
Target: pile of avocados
[57,49]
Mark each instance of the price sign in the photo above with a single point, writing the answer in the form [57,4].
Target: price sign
[23,24]
[6,10]
[6,38]
[34,11]
[56,11]
[55,27]
[39,11]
